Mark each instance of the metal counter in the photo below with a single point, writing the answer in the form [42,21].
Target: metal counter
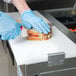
[42,69]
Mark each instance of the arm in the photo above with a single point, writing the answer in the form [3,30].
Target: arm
[21,5]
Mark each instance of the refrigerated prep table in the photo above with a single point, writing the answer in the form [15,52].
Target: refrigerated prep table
[56,56]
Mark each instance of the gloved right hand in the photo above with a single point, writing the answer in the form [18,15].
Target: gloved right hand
[9,28]
[30,20]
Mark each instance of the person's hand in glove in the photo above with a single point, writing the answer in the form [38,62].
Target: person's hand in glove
[9,28]
[30,20]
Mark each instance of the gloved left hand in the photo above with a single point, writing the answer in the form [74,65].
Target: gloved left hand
[30,20]
[9,28]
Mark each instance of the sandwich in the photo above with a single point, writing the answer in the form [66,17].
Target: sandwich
[35,35]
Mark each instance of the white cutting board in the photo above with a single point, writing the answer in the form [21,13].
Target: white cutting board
[30,52]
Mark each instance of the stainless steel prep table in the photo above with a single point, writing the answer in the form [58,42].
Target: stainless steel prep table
[36,60]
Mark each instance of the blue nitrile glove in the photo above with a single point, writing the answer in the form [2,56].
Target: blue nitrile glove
[30,20]
[9,28]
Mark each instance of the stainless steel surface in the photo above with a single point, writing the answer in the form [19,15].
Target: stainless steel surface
[2,6]
[6,66]
[6,7]
[50,4]
[39,5]
[57,23]
[62,72]
[55,59]
[42,69]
